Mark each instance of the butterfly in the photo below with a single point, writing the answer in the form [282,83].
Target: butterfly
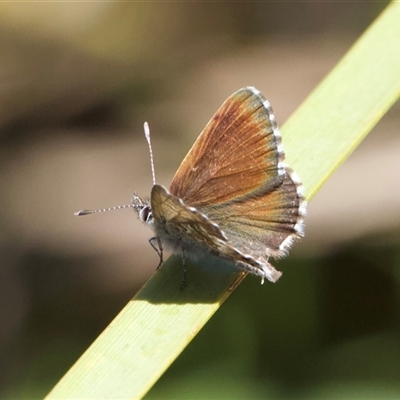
[233,196]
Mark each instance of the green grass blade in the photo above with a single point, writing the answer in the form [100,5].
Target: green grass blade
[153,329]
[347,104]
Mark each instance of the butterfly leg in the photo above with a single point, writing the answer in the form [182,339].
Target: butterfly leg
[184,270]
[158,248]
[238,280]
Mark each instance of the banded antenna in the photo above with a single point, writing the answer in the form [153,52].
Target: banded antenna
[101,210]
[87,212]
[147,136]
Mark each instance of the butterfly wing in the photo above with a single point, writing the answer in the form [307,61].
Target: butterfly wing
[235,174]
[187,229]
[238,152]
[174,221]
[266,224]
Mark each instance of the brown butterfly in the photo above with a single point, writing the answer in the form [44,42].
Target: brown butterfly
[233,197]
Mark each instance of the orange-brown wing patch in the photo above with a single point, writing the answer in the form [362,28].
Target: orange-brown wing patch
[238,152]
[264,225]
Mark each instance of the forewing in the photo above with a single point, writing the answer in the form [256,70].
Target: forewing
[238,152]
[176,220]
[265,224]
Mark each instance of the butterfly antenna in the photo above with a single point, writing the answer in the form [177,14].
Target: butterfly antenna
[147,135]
[87,212]
[134,204]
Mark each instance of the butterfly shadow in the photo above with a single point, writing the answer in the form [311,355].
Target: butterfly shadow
[207,281]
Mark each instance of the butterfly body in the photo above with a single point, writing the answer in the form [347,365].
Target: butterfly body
[233,197]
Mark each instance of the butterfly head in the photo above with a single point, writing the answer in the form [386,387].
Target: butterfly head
[143,209]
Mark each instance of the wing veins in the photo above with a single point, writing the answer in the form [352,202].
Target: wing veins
[224,132]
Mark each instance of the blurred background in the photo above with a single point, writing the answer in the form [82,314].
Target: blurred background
[77,81]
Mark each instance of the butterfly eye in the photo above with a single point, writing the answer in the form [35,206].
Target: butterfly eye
[146,215]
